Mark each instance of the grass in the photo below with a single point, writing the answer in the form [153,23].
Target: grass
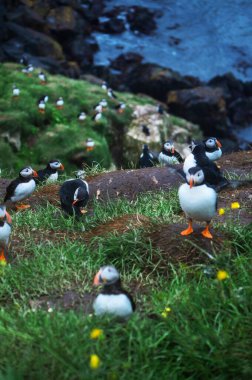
[207,333]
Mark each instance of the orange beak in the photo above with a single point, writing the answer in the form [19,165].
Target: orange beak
[62,167]
[8,217]
[191,183]
[35,174]
[173,150]
[218,143]
[97,279]
[74,202]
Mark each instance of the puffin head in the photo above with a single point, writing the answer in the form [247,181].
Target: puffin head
[169,146]
[212,142]
[79,195]
[28,172]
[145,148]
[107,275]
[195,176]
[55,164]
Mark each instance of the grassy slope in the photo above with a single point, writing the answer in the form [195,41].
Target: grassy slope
[57,133]
[206,335]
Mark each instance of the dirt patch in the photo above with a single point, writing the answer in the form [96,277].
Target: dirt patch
[239,163]
[243,215]
[119,225]
[193,249]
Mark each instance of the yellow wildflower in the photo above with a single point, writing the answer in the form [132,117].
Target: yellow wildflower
[235,205]
[96,333]
[221,211]
[222,275]
[165,312]
[3,263]
[94,361]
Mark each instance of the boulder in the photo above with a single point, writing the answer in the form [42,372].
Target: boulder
[240,112]
[203,105]
[62,19]
[141,19]
[232,87]
[35,43]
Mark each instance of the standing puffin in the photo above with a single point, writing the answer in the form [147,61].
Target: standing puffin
[60,103]
[113,299]
[213,148]
[104,86]
[42,78]
[90,144]
[5,231]
[41,106]
[111,94]
[28,70]
[198,200]
[104,104]
[74,194]
[15,92]
[44,99]
[98,108]
[169,155]
[50,173]
[146,158]
[97,116]
[120,108]
[22,187]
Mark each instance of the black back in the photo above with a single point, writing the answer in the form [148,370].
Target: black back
[147,159]
[67,191]
[116,288]
[12,186]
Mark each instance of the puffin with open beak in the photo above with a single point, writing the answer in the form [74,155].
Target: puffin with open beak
[112,299]
[198,200]
[168,155]
[5,231]
[50,173]
[22,187]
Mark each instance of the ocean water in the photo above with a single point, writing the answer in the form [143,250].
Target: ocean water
[215,37]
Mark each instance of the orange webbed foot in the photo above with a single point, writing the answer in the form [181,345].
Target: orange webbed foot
[22,207]
[186,232]
[206,233]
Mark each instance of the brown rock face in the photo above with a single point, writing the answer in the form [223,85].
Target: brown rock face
[202,105]
[62,19]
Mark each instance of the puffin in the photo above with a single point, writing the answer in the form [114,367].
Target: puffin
[15,92]
[60,103]
[44,99]
[82,116]
[5,231]
[198,200]
[146,130]
[104,86]
[42,78]
[24,60]
[120,108]
[160,109]
[21,187]
[50,173]
[28,70]
[146,158]
[169,155]
[41,106]
[74,194]
[112,299]
[213,148]
[98,108]
[97,116]
[104,104]
[90,144]
[111,94]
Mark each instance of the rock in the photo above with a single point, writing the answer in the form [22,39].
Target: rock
[240,112]
[36,43]
[82,50]
[125,62]
[203,105]
[141,19]
[113,25]
[233,88]
[13,139]
[65,20]
[23,15]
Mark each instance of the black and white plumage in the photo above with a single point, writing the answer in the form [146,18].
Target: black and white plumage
[50,173]
[42,77]
[15,91]
[111,94]
[213,148]
[103,103]
[74,194]
[28,69]
[104,86]
[21,187]
[90,144]
[43,98]
[82,116]
[97,117]
[5,231]
[24,60]
[98,108]
[41,106]
[146,159]
[113,299]
[198,200]
[60,103]
[120,108]
[168,155]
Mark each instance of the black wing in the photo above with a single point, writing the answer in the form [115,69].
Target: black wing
[10,190]
[42,175]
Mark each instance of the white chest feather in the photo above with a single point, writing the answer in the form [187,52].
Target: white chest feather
[52,177]
[214,156]
[189,163]
[164,159]
[113,304]
[199,202]
[5,231]
[23,190]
